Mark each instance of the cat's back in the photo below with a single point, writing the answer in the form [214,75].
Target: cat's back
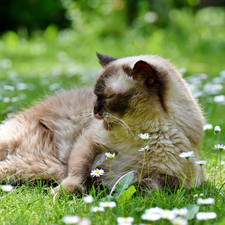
[60,111]
[64,103]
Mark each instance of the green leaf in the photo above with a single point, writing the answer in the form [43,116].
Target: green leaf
[123,184]
[192,210]
[126,195]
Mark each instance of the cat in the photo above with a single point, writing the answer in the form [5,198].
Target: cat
[67,135]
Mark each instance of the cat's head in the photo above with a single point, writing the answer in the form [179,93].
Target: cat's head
[127,87]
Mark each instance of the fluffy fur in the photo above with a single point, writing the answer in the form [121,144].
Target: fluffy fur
[66,136]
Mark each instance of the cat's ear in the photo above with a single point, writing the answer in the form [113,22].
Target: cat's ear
[104,60]
[142,71]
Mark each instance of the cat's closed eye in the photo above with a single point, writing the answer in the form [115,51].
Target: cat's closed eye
[110,95]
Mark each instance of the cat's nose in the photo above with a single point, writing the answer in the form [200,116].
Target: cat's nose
[98,111]
[96,108]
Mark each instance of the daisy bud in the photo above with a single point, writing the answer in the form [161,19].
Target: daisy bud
[217,130]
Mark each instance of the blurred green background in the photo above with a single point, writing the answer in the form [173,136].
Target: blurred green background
[48,45]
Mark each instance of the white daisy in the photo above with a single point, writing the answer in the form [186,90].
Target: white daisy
[7,188]
[207,127]
[146,148]
[88,199]
[217,130]
[186,155]
[154,210]
[125,223]
[167,214]
[201,162]
[70,219]
[144,137]
[206,201]
[180,212]
[109,155]
[122,220]
[205,215]
[219,147]
[107,204]
[97,172]
[85,221]
[179,221]
[151,216]
[97,209]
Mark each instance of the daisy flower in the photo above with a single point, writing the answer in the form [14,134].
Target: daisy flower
[144,137]
[179,221]
[180,212]
[85,221]
[206,201]
[97,209]
[146,148]
[200,163]
[167,214]
[88,199]
[109,155]
[217,130]
[186,155]
[205,215]
[154,210]
[97,172]
[219,147]
[151,216]
[70,219]
[107,204]
[208,127]
[122,220]
[7,188]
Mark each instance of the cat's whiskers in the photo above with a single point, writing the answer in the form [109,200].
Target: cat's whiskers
[108,125]
[86,112]
[81,125]
[119,121]
[86,115]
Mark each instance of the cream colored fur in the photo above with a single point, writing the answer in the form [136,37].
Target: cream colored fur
[61,137]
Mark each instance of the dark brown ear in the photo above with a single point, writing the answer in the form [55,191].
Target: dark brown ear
[142,71]
[104,59]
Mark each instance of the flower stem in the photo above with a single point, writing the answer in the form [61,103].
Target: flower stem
[142,168]
[216,161]
[203,181]
[148,171]
[221,178]
[192,179]
[110,169]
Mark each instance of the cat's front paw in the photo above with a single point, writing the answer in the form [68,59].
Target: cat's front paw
[69,185]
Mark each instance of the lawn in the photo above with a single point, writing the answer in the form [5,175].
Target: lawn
[31,68]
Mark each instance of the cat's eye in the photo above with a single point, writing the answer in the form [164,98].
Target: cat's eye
[110,95]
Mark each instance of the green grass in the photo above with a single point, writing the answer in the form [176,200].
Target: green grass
[68,59]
